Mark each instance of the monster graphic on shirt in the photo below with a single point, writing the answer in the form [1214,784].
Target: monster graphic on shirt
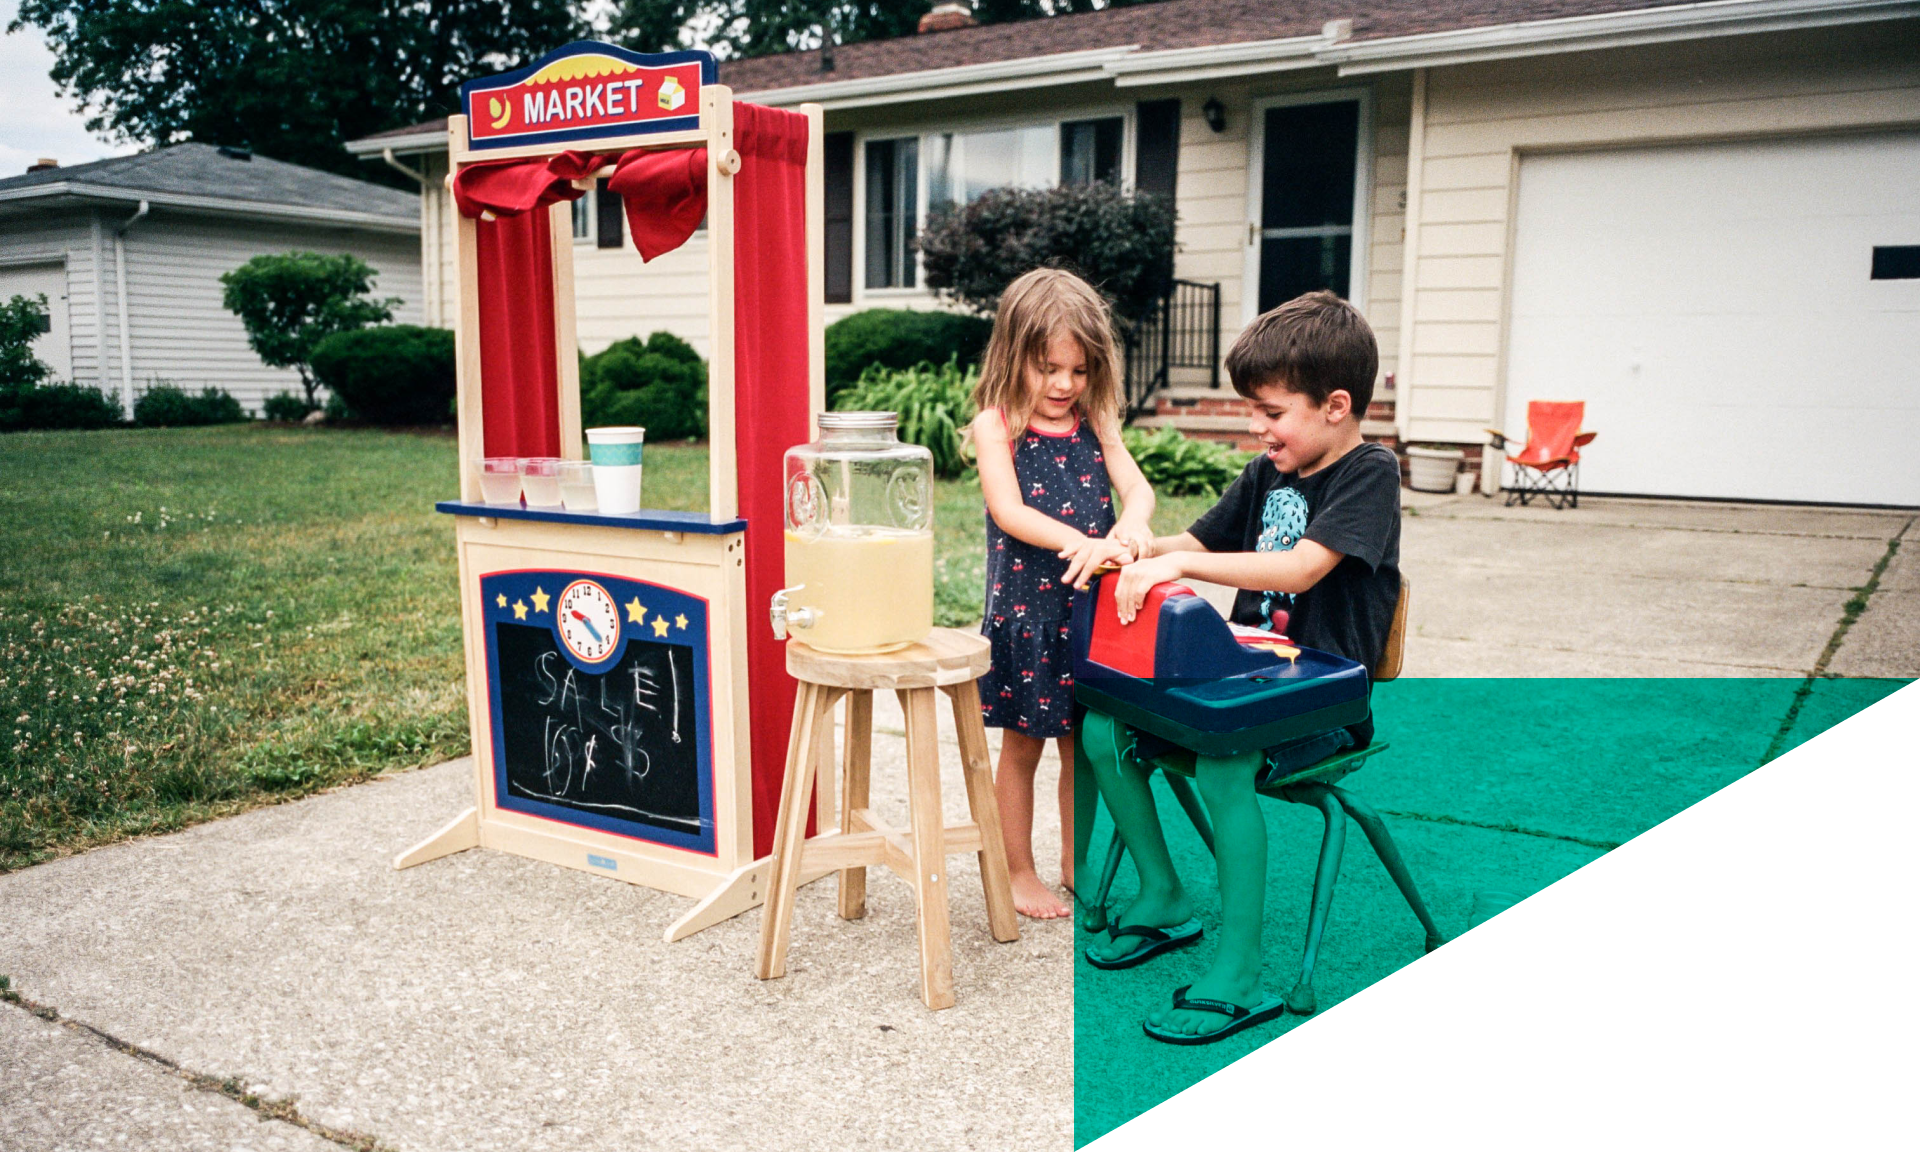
[1283,520]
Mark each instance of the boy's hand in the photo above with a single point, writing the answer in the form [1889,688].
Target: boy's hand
[1089,554]
[1138,578]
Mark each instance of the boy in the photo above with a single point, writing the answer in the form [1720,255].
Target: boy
[1312,529]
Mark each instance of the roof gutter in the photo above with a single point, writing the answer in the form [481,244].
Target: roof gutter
[386,155]
[249,208]
[1178,65]
[945,83]
[1607,30]
[411,144]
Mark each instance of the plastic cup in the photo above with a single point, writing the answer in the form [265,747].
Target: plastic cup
[540,480]
[576,486]
[616,466]
[500,480]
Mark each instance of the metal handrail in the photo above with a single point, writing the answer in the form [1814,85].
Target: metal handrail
[1179,330]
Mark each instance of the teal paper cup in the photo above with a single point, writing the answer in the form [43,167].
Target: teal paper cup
[616,455]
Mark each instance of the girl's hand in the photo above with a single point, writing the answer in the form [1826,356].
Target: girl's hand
[1138,539]
[1138,578]
[1091,553]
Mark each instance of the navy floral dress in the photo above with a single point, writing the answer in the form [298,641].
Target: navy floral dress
[1029,611]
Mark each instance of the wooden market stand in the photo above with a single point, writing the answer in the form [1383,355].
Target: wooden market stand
[651,749]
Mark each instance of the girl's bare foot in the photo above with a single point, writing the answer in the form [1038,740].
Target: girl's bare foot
[1035,900]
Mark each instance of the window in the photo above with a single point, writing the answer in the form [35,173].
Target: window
[1306,200]
[893,211]
[583,219]
[1901,262]
[962,165]
[1090,151]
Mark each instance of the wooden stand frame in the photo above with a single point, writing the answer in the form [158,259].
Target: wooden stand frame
[707,562]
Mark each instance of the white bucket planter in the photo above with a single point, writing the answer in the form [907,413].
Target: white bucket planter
[1433,469]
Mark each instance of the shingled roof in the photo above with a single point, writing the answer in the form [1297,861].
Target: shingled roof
[205,174]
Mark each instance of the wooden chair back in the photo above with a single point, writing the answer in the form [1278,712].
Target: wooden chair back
[1390,659]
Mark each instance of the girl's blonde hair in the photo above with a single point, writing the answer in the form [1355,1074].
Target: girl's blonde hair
[1039,304]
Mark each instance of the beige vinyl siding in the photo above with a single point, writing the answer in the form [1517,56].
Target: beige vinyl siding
[69,237]
[1481,117]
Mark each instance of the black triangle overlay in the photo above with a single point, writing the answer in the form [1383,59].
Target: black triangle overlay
[1750,934]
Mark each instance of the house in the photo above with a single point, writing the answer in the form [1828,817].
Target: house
[1697,218]
[129,253]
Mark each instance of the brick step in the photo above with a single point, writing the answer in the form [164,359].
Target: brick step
[1233,430]
[1173,402]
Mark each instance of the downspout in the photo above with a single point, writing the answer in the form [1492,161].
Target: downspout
[120,290]
[1410,255]
[429,238]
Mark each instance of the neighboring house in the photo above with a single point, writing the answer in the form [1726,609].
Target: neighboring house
[1701,219]
[129,253]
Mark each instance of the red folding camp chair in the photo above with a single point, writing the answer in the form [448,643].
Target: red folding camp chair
[1549,466]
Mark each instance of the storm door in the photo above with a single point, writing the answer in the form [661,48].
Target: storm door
[1307,195]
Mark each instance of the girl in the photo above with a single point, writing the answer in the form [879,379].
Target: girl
[1048,444]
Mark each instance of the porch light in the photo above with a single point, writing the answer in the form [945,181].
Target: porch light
[1216,114]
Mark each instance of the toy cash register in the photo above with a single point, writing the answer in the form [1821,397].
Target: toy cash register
[1184,674]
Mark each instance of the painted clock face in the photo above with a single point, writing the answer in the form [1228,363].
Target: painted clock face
[589,621]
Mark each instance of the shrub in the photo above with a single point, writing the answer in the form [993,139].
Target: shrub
[899,338]
[165,406]
[1122,245]
[21,320]
[1177,466]
[399,374]
[933,404]
[659,383]
[286,406]
[50,406]
[292,302]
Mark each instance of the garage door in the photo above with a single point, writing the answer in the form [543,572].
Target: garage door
[1722,311]
[51,347]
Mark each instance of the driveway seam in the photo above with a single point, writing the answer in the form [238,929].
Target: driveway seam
[283,1109]
[1855,607]
[1603,845]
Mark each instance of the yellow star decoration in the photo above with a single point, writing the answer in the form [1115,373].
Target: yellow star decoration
[680,621]
[519,609]
[659,625]
[502,598]
[636,611]
[539,599]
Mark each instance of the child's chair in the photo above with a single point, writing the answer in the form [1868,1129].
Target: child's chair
[1313,785]
[1549,465]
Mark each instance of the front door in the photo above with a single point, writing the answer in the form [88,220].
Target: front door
[1306,201]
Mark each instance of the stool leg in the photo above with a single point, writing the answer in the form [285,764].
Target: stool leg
[978,773]
[1096,918]
[1182,789]
[929,847]
[1389,853]
[857,772]
[1300,1001]
[790,832]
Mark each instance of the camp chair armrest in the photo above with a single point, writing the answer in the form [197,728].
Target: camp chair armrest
[1496,438]
[1584,439]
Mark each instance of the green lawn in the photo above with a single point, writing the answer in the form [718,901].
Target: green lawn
[197,621]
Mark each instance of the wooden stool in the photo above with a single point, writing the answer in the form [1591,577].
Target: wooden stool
[951,661]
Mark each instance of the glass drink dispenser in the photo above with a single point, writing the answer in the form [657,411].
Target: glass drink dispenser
[859,512]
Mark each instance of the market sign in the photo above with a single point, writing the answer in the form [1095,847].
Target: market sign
[587,91]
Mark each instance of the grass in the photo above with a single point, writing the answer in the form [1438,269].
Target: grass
[198,621]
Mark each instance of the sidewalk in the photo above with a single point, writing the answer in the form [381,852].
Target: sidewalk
[485,1001]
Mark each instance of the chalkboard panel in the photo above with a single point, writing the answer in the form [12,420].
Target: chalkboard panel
[600,704]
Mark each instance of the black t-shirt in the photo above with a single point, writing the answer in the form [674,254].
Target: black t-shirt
[1351,506]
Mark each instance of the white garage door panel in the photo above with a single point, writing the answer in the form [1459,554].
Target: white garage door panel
[1712,305]
[49,279]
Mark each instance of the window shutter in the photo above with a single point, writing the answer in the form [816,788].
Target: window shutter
[610,215]
[1157,151]
[837,159]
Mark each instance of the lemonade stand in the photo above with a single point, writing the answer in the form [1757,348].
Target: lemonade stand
[629,703]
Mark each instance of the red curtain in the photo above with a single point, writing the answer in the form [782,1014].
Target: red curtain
[665,195]
[519,369]
[771,356]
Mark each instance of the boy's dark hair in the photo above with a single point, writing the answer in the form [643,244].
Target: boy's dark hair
[1315,344]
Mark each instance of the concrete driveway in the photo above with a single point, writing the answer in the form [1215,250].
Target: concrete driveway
[268,981]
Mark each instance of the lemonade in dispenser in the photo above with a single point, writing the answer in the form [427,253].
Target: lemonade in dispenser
[859,538]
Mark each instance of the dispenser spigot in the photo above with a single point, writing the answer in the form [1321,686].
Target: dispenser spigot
[782,615]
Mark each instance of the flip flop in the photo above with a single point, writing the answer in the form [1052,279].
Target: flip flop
[1154,941]
[1238,1019]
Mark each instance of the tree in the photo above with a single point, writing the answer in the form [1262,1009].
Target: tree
[290,303]
[21,320]
[737,28]
[1122,245]
[291,79]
